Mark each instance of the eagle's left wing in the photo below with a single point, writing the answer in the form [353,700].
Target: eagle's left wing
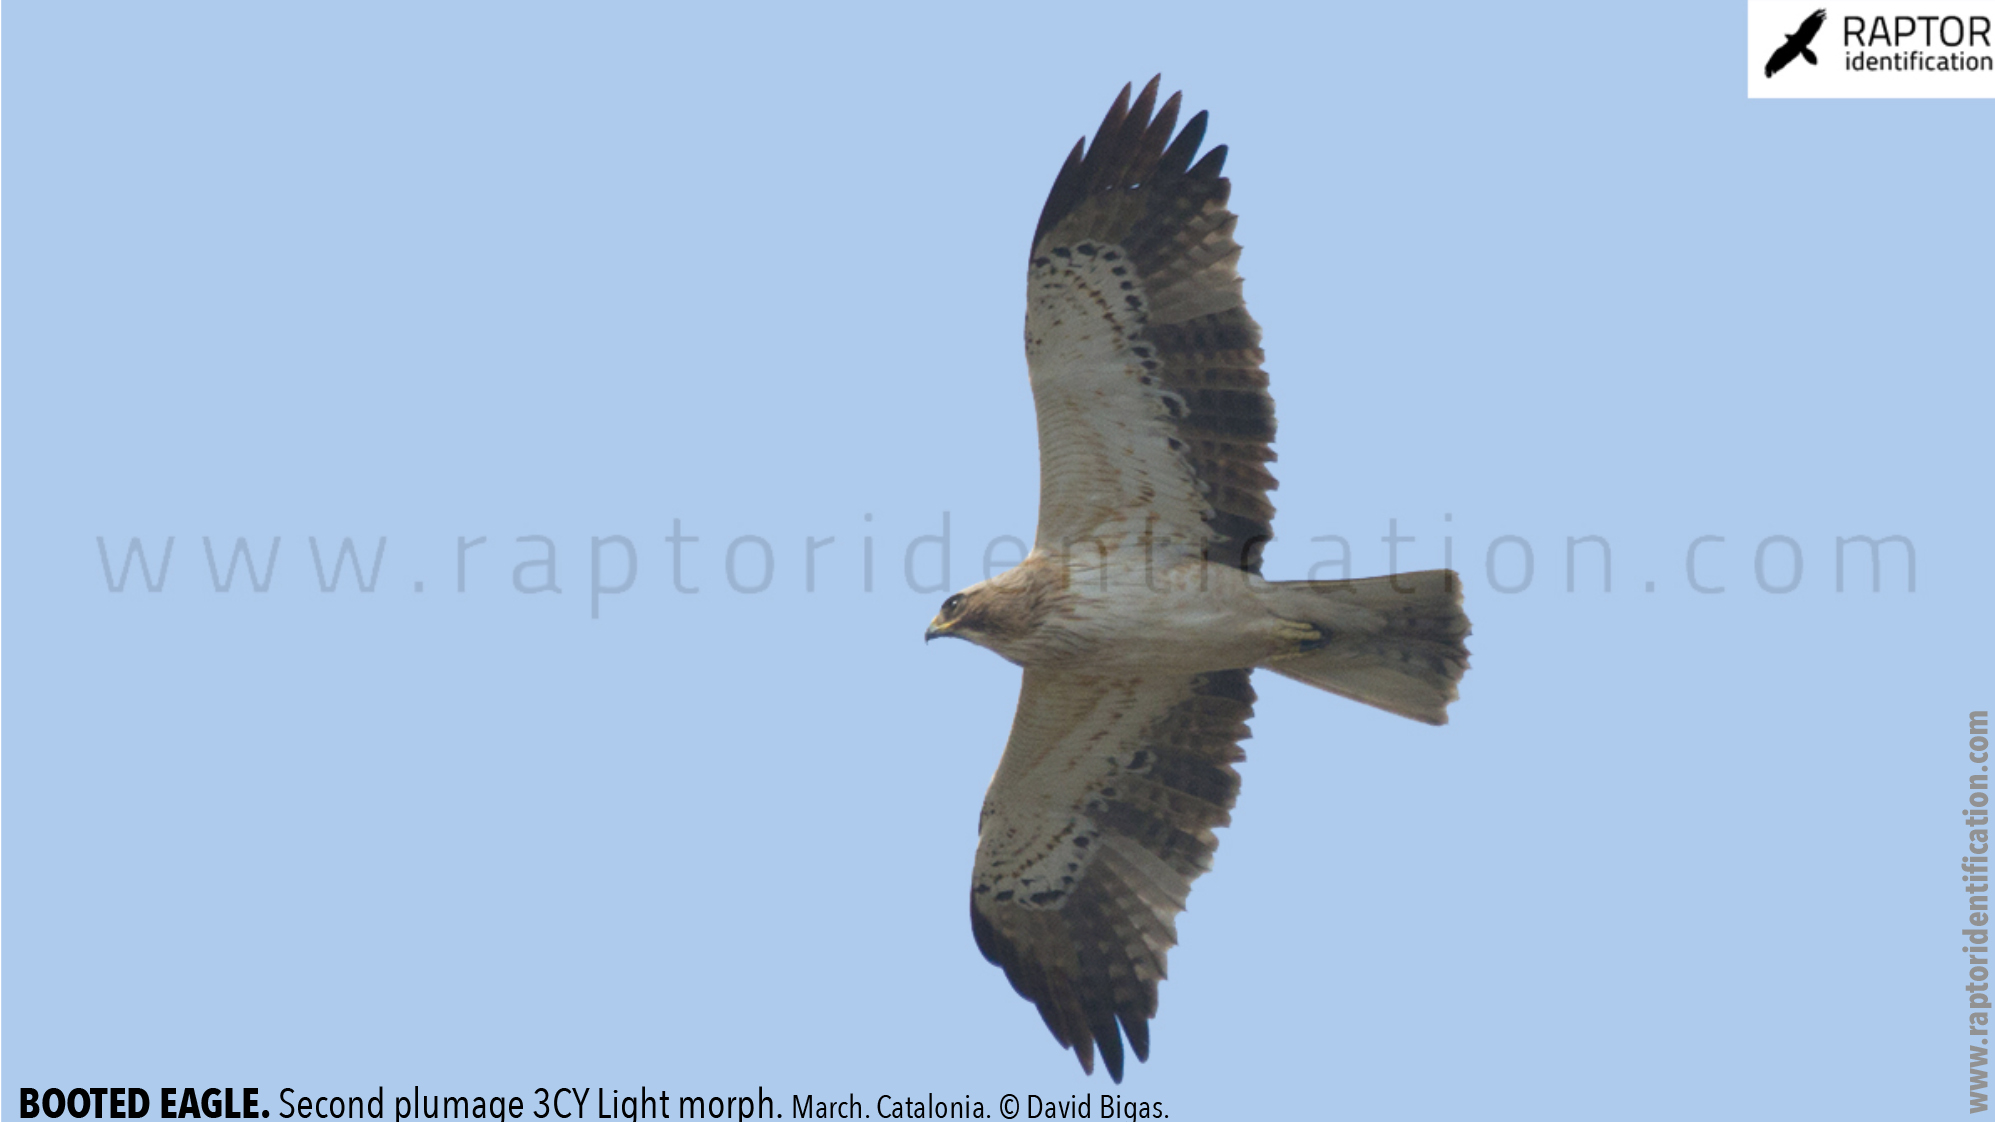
[1099,818]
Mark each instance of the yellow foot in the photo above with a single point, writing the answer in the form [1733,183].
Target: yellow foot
[1298,638]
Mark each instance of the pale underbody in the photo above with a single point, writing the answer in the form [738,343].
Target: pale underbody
[1162,616]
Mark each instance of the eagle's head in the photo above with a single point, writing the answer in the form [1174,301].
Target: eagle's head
[991,614]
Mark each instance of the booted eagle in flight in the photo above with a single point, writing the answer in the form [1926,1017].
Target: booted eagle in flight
[1140,614]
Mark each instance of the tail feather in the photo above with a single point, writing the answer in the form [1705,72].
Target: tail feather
[1393,642]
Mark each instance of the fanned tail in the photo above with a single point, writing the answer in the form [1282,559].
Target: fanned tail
[1393,642]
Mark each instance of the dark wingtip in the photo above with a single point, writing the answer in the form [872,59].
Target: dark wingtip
[1137,1028]
[1178,156]
[1111,123]
[1110,1042]
[1145,101]
[1132,147]
[1209,165]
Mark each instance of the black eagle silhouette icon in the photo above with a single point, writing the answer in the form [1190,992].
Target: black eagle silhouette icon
[1797,43]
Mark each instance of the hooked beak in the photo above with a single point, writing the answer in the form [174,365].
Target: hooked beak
[937,629]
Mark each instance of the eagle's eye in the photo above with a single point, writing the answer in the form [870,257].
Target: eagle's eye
[952,605]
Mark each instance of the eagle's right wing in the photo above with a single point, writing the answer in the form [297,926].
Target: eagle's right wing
[1099,818]
[1154,414]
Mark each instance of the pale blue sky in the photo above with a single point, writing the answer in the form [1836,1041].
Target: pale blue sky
[442,272]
